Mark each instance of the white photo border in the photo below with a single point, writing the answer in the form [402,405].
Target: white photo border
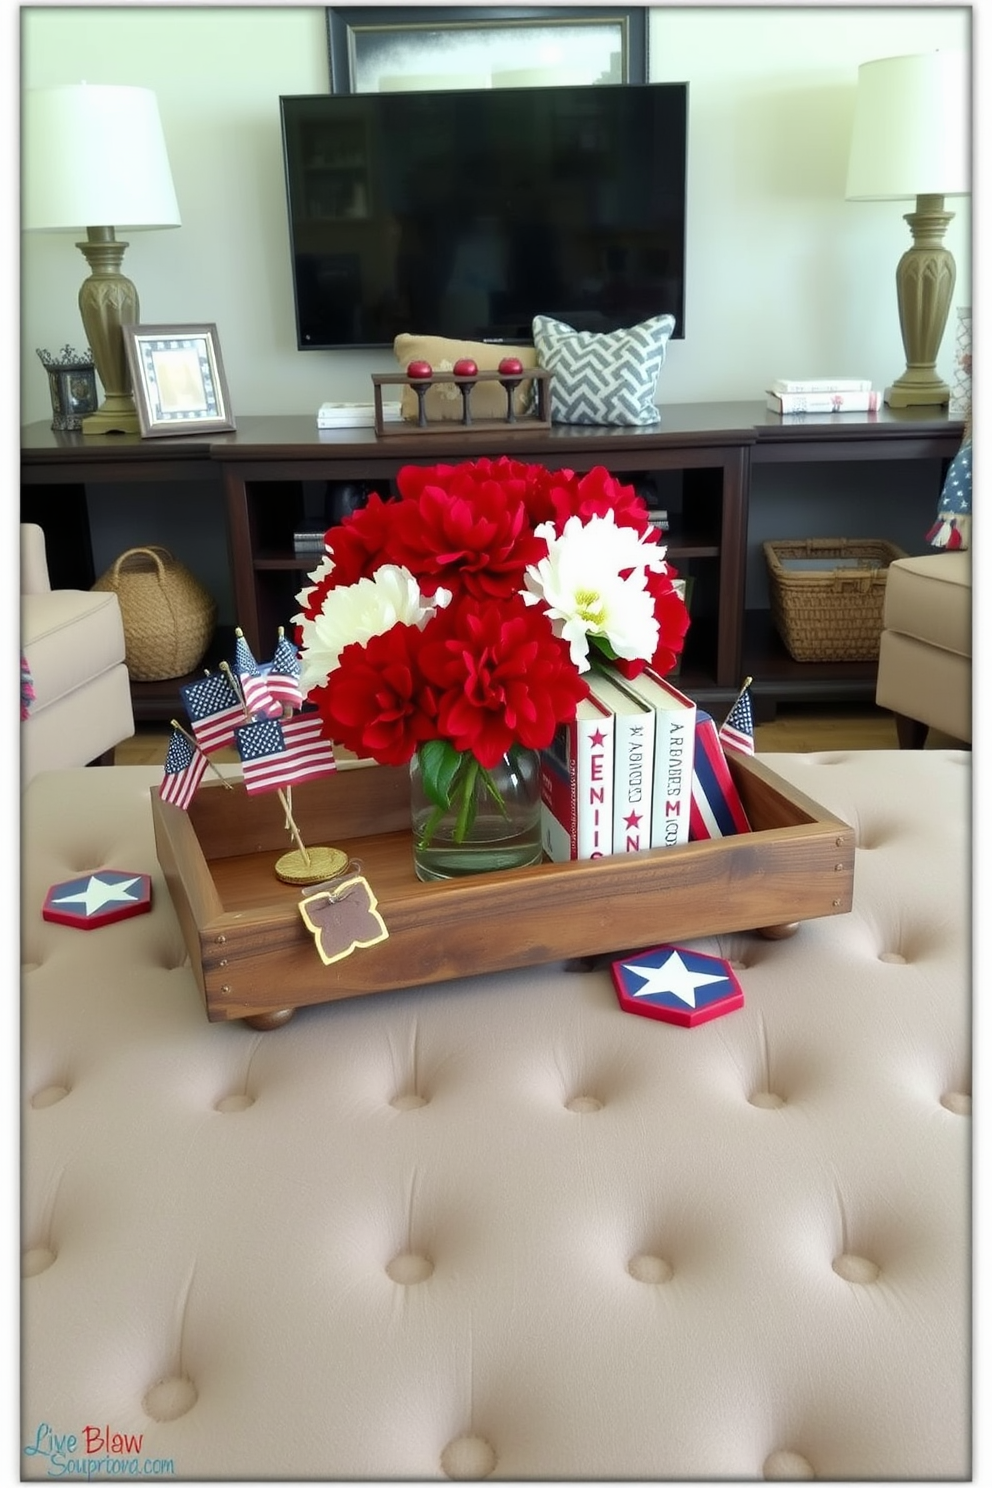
[199,400]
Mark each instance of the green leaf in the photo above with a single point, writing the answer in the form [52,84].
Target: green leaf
[440,766]
[603,645]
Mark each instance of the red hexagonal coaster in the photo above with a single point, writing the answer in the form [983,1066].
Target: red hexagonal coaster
[676,985]
[98,899]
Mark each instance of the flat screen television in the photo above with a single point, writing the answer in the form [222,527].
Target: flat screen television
[467,213]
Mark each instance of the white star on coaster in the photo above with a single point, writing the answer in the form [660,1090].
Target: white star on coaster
[99,893]
[672,978]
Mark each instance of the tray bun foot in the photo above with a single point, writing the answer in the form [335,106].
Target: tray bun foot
[779,932]
[581,963]
[265,1022]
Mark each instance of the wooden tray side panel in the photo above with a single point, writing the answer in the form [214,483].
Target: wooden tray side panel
[253,954]
[501,921]
[187,876]
[356,800]
[770,801]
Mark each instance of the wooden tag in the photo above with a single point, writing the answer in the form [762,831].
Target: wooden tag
[343,917]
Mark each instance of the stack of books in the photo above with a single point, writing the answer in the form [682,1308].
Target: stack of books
[623,777]
[308,541]
[355,415]
[823,395]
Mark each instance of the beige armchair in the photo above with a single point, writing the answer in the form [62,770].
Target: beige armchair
[924,659]
[73,643]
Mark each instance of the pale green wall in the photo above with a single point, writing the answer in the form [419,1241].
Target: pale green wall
[785,277]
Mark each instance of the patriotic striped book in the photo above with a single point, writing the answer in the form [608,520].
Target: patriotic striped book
[717,809]
[577,786]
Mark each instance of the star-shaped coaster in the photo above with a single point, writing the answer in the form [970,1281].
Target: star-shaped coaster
[676,985]
[98,899]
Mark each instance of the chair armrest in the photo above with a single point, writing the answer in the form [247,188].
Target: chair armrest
[34,560]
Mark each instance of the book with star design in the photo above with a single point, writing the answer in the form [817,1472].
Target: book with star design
[633,763]
[674,743]
[577,786]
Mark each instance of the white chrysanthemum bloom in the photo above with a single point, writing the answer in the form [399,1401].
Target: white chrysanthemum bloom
[324,567]
[580,582]
[357,612]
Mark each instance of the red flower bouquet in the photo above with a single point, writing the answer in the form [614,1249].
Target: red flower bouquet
[456,620]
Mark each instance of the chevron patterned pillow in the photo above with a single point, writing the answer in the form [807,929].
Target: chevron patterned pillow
[606,377]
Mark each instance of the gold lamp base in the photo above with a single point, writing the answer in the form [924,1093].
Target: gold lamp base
[924,285]
[108,301]
[121,418]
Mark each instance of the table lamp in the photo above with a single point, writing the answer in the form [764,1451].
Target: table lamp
[911,141]
[94,159]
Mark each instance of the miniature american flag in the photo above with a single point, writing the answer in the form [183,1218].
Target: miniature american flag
[274,755]
[716,809]
[283,676]
[184,767]
[254,683]
[214,709]
[737,729]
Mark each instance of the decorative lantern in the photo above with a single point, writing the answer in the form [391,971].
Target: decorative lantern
[72,385]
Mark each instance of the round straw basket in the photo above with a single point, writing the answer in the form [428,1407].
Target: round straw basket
[167,614]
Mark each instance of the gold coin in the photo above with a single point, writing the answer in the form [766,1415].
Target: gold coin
[325,862]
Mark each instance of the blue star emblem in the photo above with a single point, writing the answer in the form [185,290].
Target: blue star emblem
[676,985]
[98,898]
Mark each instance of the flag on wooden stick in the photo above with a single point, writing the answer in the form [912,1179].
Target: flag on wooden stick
[737,729]
[254,685]
[184,768]
[214,709]
[283,676]
[274,755]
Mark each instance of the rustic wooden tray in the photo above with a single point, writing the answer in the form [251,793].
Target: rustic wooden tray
[254,958]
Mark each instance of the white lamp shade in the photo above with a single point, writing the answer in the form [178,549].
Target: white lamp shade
[911,129]
[94,156]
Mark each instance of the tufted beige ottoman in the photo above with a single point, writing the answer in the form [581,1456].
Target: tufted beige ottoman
[498,1227]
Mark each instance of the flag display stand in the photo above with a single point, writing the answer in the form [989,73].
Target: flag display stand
[313,866]
[253,956]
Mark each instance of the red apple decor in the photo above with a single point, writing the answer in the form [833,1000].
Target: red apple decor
[418,375]
[510,370]
[465,367]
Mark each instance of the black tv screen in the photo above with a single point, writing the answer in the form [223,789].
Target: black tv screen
[466,213]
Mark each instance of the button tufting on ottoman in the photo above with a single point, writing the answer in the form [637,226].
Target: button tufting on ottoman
[497,1227]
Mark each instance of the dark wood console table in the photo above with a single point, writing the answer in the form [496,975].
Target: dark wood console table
[702,457]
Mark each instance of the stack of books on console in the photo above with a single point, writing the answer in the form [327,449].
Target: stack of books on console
[308,541]
[823,395]
[641,767]
[355,415]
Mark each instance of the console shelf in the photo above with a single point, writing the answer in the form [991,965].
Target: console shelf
[705,461]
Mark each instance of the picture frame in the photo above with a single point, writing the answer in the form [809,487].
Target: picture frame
[406,45]
[178,379]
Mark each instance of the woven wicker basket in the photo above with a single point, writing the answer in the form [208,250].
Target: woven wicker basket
[167,614]
[834,615]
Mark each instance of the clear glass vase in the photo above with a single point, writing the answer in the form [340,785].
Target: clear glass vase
[492,821]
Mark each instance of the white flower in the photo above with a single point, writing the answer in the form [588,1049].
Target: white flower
[324,567]
[356,612]
[580,582]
